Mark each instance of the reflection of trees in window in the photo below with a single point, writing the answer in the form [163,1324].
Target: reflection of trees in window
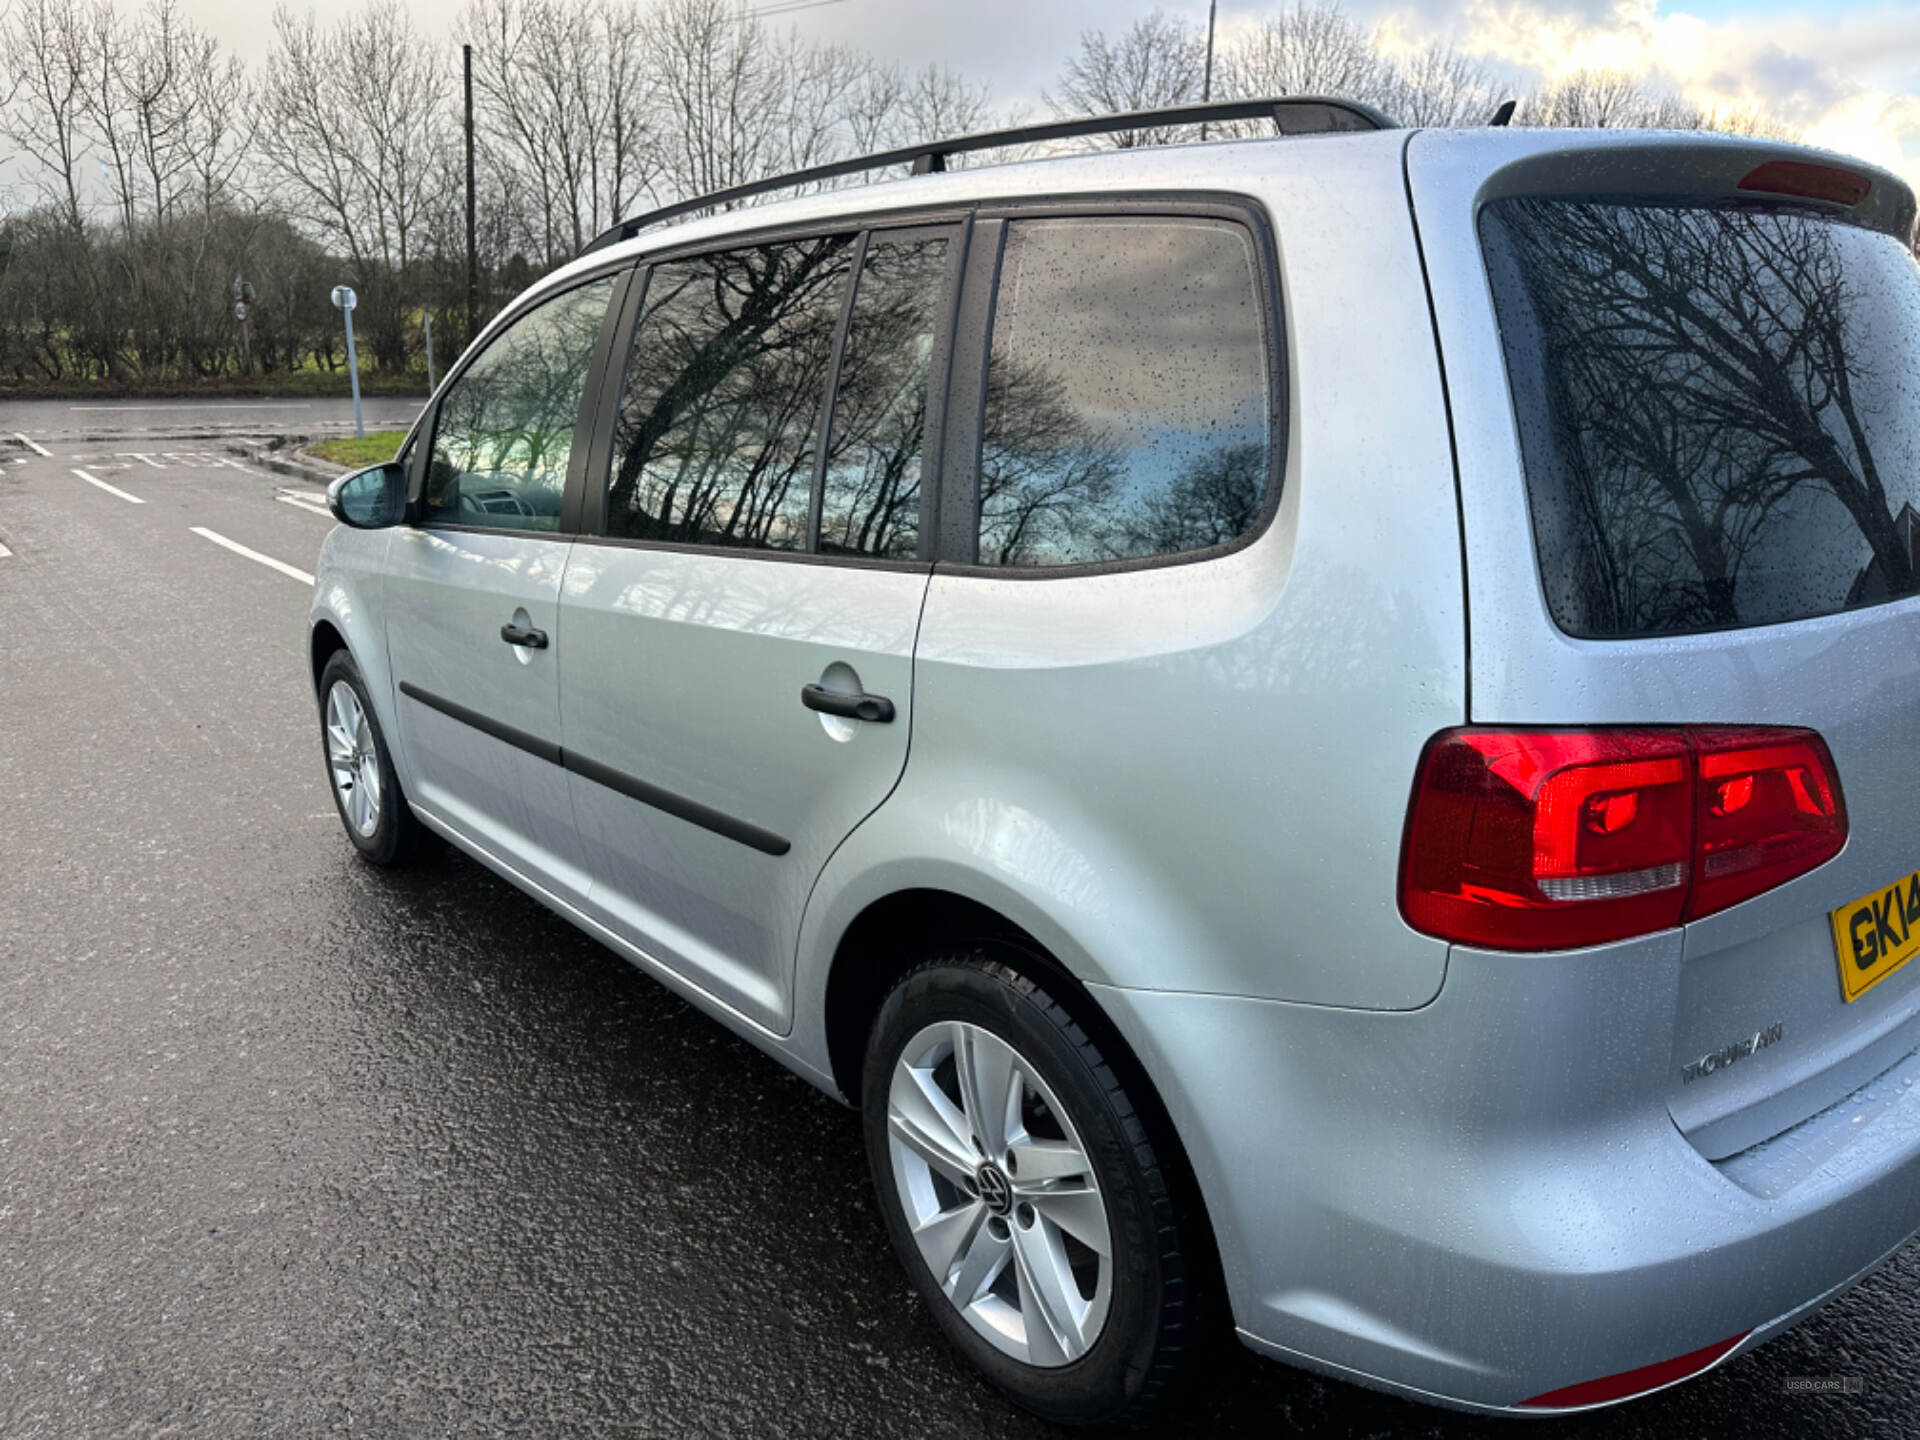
[871,498]
[1710,401]
[715,438]
[505,429]
[1043,471]
[1215,496]
[1126,411]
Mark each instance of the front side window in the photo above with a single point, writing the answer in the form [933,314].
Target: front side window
[505,429]
[1128,398]
[1717,410]
[717,435]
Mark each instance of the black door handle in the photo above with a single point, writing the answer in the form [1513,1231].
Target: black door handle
[874,708]
[524,635]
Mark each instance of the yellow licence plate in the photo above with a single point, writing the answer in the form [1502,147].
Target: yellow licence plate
[1876,935]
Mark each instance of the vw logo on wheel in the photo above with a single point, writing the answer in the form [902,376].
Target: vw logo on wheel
[995,1193]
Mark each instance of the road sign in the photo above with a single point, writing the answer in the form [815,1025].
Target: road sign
[343,298]
[239,309]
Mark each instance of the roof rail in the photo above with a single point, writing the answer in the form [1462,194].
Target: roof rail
[1291,115]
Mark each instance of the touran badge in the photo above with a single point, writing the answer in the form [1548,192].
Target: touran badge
[1738,1050]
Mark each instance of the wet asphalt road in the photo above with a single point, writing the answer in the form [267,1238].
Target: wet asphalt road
[292,1147]
[313,414]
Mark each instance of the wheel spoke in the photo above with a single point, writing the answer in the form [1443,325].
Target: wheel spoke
[987,1256]
[925,1121]
[985,1067]
[1038,1161]
[1077,1210]
[1053,1327]
[339,741]
[947,1234]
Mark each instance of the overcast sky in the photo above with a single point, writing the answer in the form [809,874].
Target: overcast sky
[1847,72]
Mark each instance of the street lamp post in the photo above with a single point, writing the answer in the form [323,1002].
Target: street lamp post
[344,300]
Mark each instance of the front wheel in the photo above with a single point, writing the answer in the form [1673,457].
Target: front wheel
[1022,1192]
[360,771]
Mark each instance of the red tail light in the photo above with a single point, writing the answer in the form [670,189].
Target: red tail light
[1548,839]
[1808,182]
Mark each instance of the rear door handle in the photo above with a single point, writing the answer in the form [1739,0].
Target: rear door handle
[524,635]
[876,709]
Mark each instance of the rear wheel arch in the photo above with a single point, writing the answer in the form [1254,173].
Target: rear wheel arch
[890,938]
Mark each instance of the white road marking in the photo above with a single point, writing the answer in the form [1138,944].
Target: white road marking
[262,405]
[5,553]
[306,505]
[41,449]
[110,489]
[136,455]
[239,549]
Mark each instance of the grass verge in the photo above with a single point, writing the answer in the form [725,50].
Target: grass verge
[354,451]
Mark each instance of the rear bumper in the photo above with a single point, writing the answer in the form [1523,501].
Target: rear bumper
[1486,1200]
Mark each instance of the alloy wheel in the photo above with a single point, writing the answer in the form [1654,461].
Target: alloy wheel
[1000,1194]
[353,759]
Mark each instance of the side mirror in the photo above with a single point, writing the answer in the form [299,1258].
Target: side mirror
[370,499]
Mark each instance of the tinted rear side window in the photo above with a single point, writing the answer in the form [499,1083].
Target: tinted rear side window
[1719,410]
[1127,409]
[716,437]
[872,488]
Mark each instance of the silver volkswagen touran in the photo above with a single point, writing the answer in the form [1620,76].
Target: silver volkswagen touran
[1320,728]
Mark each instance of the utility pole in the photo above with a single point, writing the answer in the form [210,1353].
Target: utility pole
[1206,84]
[473,255]
[429,327]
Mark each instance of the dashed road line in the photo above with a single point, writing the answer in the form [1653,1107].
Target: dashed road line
[267,560]
[306,505]
[33,445]
[110,489]
[5,553]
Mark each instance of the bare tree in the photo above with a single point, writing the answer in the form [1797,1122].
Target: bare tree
[732,101]
[46,68]
[1157,61]
[1439,86]
[355,135]
[563,100]
[216,123]
[1310,50]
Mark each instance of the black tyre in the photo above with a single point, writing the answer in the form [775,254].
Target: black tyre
[366,792]
[1022,1190]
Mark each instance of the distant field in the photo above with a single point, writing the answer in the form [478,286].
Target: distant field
[355,450]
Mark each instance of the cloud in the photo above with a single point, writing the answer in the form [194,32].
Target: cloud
[1845,76]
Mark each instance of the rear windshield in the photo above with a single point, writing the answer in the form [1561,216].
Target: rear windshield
[1719,410]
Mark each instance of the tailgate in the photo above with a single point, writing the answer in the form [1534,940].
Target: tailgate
[1691,495]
